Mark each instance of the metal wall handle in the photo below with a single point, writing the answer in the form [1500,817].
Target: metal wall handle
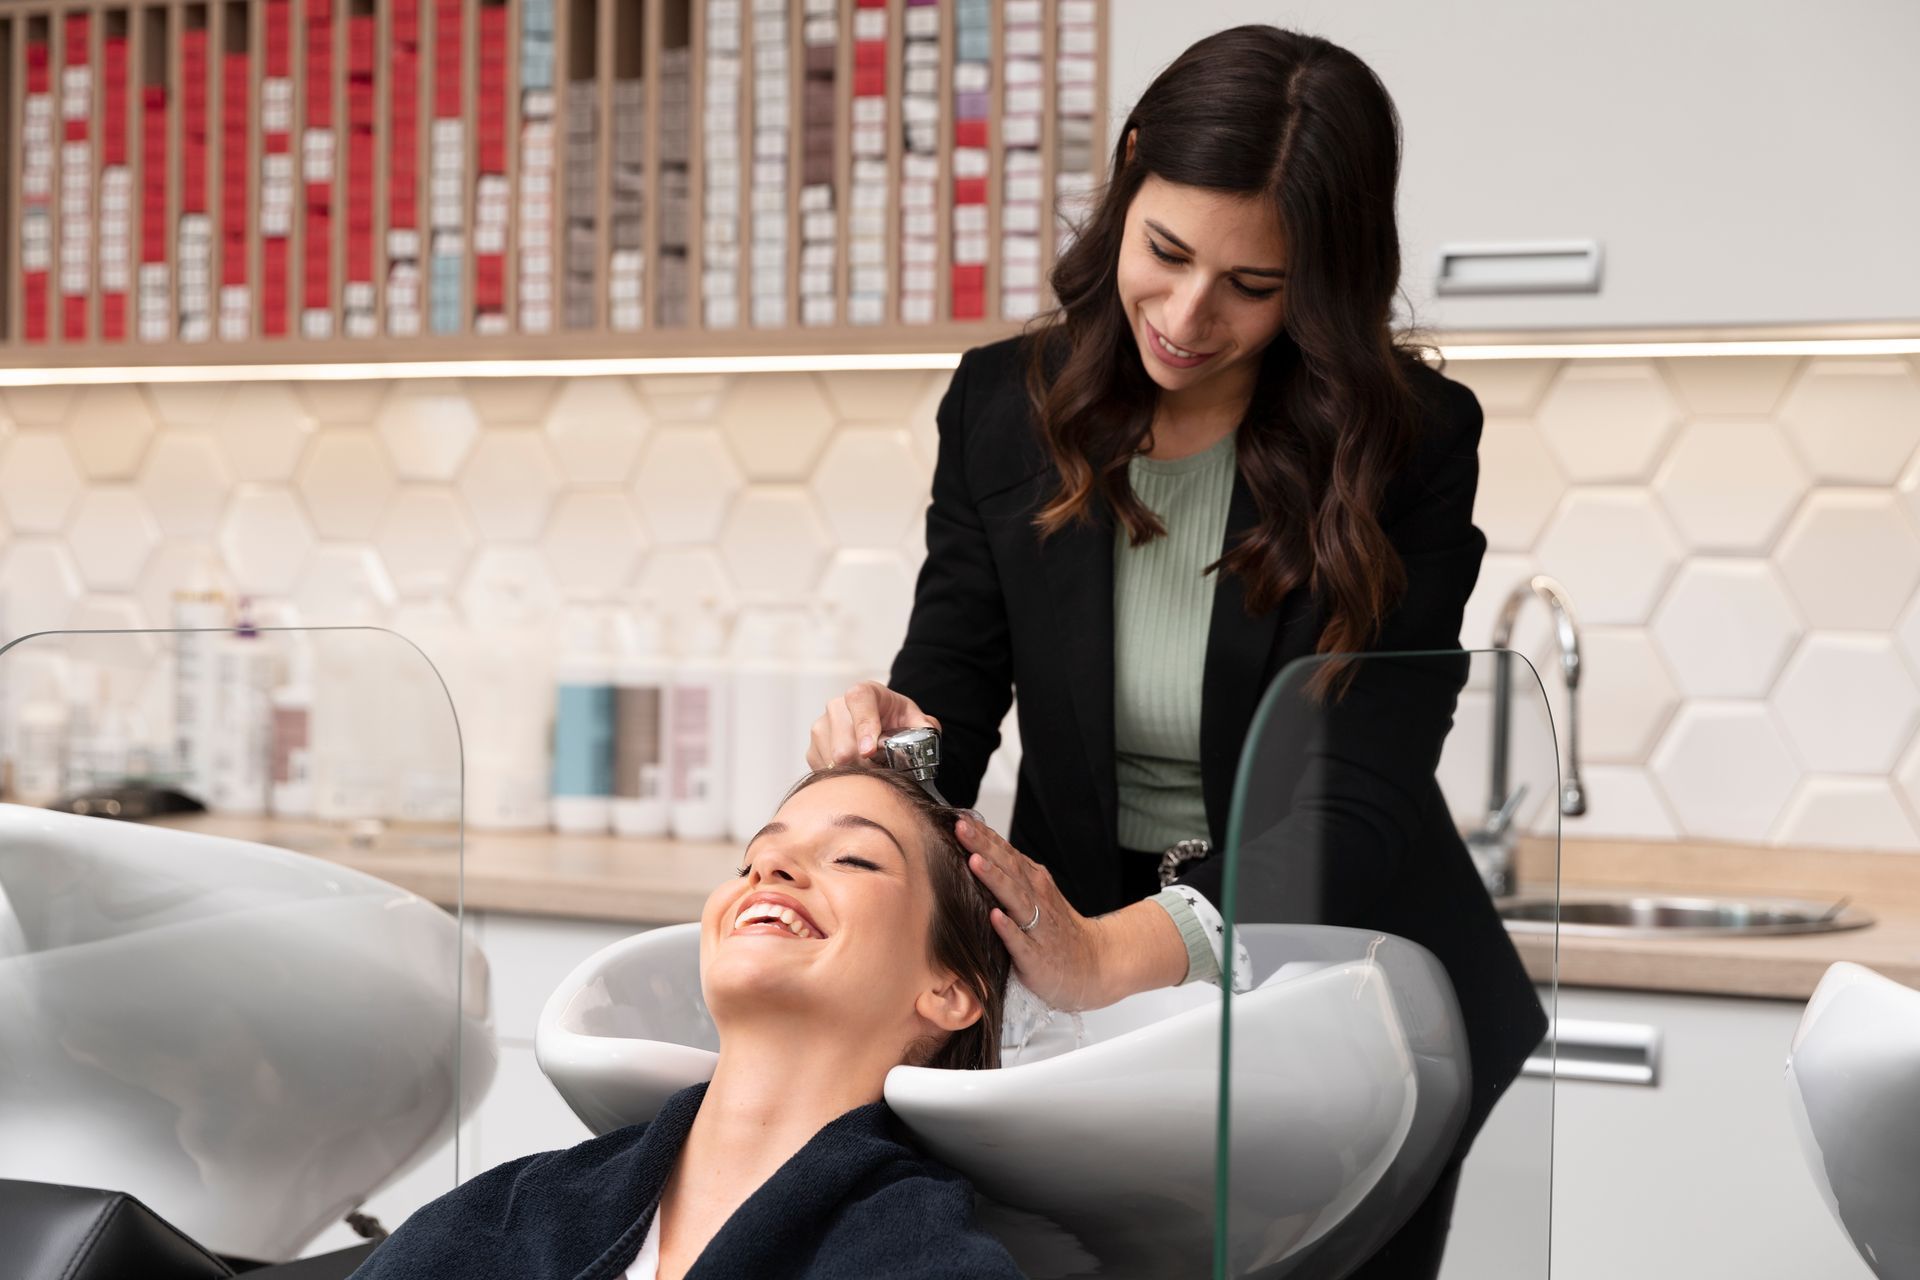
[1599,1052]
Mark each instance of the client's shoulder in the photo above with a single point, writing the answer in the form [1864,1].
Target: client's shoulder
[910,1217]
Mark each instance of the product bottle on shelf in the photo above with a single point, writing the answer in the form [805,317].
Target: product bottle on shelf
[40,768]
[246,671]
[582,783]
[697,747]
[764,757]
[643,680]
[290,791]
[199,616]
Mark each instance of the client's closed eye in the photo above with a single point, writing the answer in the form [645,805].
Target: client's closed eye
[850,860]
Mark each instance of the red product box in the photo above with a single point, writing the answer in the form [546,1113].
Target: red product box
[869,53]
[113,316]
[970,133]
[870,82]
[34,300]
[969,190]
[73,317]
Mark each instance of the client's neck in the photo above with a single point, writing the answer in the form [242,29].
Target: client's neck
[773,1090]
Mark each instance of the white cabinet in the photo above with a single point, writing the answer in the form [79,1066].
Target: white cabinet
[1697,1175]
[1738,163]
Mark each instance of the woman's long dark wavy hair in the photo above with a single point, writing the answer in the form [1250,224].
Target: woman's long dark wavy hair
[1257,111]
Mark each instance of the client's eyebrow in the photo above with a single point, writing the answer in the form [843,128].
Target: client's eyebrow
[845,821]
[1277,273]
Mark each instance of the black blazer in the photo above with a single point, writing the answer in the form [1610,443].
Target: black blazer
[997,609]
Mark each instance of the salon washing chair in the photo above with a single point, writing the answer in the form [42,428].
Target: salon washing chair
[1853,1089]
[1095,1152]
[233,1043]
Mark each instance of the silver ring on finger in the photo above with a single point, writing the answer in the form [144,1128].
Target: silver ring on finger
[1028,926]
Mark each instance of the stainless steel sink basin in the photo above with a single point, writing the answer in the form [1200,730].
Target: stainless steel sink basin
[1667,917]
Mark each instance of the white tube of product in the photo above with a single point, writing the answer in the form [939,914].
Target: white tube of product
[40,770]
[697,745]
[762,759]
[246,672]
[642,685]
[199,612]
[582,781]
[290,787]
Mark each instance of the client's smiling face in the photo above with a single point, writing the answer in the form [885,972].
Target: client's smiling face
[831,918]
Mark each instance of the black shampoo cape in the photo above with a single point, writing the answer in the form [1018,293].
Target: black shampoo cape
[855,1202]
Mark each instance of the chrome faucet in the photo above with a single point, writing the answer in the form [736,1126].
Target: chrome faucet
[1492,844]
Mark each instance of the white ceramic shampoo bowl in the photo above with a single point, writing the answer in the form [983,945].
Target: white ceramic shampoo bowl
[249,1040]
[1349,1087]
[1853,1087]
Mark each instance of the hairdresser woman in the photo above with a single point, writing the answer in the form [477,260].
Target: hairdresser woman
[1218,384]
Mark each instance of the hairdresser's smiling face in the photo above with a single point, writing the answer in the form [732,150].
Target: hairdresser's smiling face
[1203,270]
[833,915]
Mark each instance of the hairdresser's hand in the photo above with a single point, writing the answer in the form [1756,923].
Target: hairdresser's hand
[1069,960]
[851,727]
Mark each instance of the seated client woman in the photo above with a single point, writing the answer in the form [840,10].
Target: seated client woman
[853,940]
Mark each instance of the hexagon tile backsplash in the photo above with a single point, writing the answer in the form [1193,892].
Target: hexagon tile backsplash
[1740,537]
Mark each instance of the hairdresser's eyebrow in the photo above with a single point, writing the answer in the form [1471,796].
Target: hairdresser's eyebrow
[1276,273]
[845,821]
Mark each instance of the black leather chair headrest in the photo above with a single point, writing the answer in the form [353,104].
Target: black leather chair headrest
[53,1232]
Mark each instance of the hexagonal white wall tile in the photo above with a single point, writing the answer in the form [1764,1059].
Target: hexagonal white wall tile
[1740,386]
[1613,551]
[425,540]
[1626,695]
[428,426]
[509,484]
[1622,804]
[1848,703]
[1520,484]
[516,402]
[111,535]
[1847,813]
[109,427]
[774,546]
[185,481]
[873,591]
[776,424]
[678,580]
[178,564]
[882,397]
[508,587]
[265,539]
[352,402]
[1857,421]
[346,480]
[41,585]
[1730,486]
[684,483]
[1725,769]
[593,543]
[40,406]
[924,420]
[870,486]
[1850,559]
[1607,420]
[343,586]
[683,397]
[38,481]
[1504,386]
[262,427]
[595,427]
[1725,628]
[187,404]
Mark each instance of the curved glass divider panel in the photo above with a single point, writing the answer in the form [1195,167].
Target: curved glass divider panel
[1374,1058]
[234,980]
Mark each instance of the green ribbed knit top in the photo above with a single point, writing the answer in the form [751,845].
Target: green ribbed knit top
[1162,609]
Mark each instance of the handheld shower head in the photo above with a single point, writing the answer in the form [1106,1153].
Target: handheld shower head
[916,753]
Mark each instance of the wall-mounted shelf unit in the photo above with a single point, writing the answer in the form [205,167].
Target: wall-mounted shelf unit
[253,181]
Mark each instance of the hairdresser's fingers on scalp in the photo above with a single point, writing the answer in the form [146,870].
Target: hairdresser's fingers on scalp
[820,743]
[898,711]
[863,700]
[840,737]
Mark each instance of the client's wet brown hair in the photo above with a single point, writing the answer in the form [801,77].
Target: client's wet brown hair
[962,940]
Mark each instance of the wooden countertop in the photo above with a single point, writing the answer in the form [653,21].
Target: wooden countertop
[667,881]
